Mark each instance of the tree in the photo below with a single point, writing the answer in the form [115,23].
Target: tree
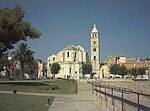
[114,69]
[86,69]
[13,28]
[147,59]
[141,71]
[3,61]
[6,64]
[31,68]
[122,70]
[133,72]
[118,69]
[55,68]
[137,71]
[24,55]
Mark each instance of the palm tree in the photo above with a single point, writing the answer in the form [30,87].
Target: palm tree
[31,68]
[24,55]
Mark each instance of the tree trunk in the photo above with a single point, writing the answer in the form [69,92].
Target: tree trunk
[1,54]
[54,76]
[22,70]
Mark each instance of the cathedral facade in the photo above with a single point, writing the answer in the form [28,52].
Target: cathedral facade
[70,59]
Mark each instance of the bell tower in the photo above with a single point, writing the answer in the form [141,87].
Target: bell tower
[95,51]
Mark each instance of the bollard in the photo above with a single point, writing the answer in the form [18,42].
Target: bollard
[49,101]
[14,91]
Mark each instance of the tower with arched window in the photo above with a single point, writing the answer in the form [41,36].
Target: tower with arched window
[95,50]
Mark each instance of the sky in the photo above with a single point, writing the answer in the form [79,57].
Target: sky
[123,25]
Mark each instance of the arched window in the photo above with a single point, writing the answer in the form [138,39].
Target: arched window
[70,71]
[67,54]
[75,56]
[94,42]
[94,57]
[93,35]
[94,49]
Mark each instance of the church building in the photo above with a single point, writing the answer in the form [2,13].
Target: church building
[70,59]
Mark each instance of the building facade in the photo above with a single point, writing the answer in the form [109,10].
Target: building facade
[40,68]
[95,51]
[70,59]
[139,64]
[129,62]
[116,59]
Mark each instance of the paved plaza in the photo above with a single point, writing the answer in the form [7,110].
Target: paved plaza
[83,101]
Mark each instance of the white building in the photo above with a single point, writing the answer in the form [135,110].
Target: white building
[70,59]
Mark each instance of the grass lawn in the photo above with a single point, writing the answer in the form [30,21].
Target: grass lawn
[56,86]
[13,102]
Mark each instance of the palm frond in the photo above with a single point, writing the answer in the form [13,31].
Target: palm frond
[23,54]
